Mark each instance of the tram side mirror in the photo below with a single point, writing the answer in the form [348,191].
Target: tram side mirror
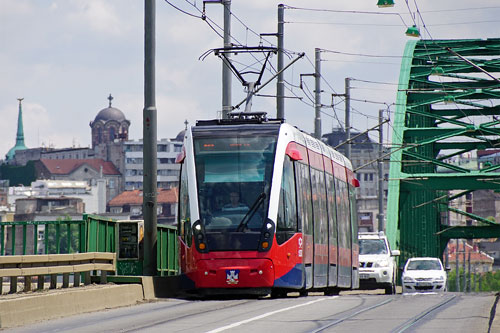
[181,228]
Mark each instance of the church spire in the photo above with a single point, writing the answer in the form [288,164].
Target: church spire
[19,136]
[20,128]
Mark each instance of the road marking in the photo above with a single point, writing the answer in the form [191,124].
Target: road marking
[223,328]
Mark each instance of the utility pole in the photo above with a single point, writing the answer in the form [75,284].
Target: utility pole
[149,141]
[380,173]
[317,94]
[463,267]
[457,272]
[348,116]
[226,71]
[469,284]
[280,85]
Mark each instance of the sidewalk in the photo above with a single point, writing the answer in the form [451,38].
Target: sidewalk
[26,308]
[29,307]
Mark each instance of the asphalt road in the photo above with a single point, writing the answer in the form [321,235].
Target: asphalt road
[350,312]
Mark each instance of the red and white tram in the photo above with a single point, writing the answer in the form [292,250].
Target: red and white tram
[265,208]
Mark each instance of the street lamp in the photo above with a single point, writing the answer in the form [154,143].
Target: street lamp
[413,31]
[385,3]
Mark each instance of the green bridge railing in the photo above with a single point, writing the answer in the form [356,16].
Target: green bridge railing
[90,234]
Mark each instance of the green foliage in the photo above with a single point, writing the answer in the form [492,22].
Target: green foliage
[58,237]
[19,174]
[489,281]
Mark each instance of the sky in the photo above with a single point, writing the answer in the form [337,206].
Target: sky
[64,57]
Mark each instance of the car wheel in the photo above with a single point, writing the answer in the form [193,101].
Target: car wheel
[390,290]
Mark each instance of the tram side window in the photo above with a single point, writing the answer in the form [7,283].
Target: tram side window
[304,197]
[184,225]
[287,209]
[332,211]
[319,206]
[342,213]
[354,215]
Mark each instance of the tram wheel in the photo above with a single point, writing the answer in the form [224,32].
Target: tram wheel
[331,291]
[277,293]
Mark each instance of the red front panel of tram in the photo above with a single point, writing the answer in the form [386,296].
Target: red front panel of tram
[241,269]
[234,273]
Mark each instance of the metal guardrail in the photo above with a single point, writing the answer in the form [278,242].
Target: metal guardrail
[167,262]
[27,266]
[91,234]
[46,237]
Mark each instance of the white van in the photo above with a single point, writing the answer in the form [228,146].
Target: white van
[377,263]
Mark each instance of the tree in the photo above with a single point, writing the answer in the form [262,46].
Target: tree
[53,239]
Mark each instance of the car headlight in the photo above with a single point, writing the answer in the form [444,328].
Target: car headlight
[382,263]
[439,279]
[407,279]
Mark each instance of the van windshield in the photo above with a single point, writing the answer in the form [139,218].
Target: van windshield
[372,246]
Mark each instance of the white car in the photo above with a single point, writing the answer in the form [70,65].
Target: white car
[377,263]
[423,274]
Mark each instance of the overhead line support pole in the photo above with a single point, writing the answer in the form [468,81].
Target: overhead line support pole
[149,140]
[317,94]
[226,71]
[280,85]
[348,115]
[380,163]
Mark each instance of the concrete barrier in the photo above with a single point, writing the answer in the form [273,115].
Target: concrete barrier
[24,309]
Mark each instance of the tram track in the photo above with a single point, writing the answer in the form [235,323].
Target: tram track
[416,319]
[406,326]
[352,315]
[192,313]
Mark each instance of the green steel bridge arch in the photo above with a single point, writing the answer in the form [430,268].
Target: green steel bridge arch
[448,104]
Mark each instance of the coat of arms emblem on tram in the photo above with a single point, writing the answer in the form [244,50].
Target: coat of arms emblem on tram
[232,276]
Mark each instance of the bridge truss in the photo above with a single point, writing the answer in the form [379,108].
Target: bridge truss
[448,106]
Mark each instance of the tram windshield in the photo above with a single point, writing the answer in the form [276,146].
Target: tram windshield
[233,174]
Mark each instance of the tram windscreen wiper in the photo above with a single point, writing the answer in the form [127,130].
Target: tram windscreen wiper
[251,212]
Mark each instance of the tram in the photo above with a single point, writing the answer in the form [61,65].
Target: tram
[265,208]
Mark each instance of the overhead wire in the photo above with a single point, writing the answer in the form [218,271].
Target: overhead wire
[214,27]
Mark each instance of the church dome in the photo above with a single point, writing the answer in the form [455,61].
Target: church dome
[180,136]
[109,125]
[110,113]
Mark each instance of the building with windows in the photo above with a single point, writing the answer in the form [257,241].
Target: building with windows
[130,202]
[89,170]
[364,155]
[167,170]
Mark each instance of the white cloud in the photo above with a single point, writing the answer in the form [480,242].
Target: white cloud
[98,15]
[73,53]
